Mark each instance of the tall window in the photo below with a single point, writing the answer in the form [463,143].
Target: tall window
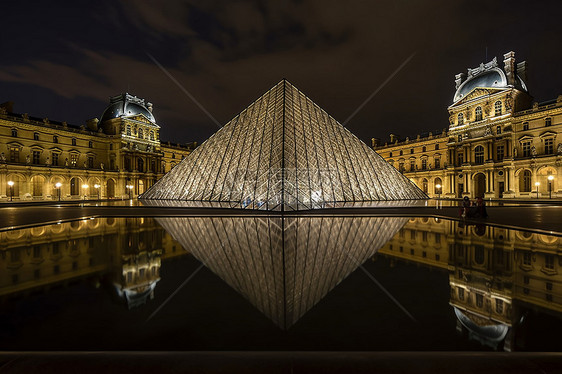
[55,139]
[14,154]
[390,154]
[73,159]
[547,122]
[73,141]
[424,185]
[35,136]
[478,113]
[423,148]
[36,157]
[437,163]
[525,181]
[549,262]
[401,166]
[141,134]
[411,150]
[151,136]
[525,126]
[412,165]
[90,144]
[479,155]
[54,158]
[500,152]
[128,131]
[460,119]
[436,146]
[460,158]
[90,162]
[499,306]
[526,148]
[549,146]
[401,153]
[498,108]
[479,300]
[424,164]
[498,130]
[14,133]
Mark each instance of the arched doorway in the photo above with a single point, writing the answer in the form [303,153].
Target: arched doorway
[141,186]
[75,187]
[14,191]
[525,181]
[37,183]
[110,189]
[479,185]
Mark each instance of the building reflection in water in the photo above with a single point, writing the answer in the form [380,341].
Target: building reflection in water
[496,276]
[126,253]
[283,265]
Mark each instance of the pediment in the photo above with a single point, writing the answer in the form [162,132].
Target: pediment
[142,118]
[476,93]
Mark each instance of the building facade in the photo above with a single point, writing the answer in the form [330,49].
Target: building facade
[499,143]
[117,156]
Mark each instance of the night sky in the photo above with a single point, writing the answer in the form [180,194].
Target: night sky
[64,61]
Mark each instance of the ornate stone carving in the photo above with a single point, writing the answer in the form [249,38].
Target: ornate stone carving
[558,149]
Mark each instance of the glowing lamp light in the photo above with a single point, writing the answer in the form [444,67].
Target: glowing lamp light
[85,186]
[551,178]
[10,183]
[537,184]
[438,186]
[58,185]
[97,186]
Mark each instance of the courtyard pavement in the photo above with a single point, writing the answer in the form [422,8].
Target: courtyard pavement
[543,218]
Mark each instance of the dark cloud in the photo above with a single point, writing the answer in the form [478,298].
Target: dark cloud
[228,53]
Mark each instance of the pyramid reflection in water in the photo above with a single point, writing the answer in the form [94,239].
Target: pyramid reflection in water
[283,153]
[282,265]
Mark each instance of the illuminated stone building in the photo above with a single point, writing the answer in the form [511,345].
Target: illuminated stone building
[499,143]
[127,253]
[97,159]
[495,274]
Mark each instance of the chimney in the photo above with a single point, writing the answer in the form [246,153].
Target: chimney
[393,138]
[509,67]
[522,70]
[458,80]
[375,142]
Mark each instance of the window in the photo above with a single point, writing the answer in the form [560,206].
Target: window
[549,286]
[549,262]
[425,185]
[55,139]
[401,152]
[500,152]
[423,148]
[54,159]
[36,157]
[437,237]
[527,259]
[547,122]
[141,134]
[35,136]
[424,236]
[401,166]
[424,164]
[411,150]
[412,165]
[14,133]
[525,181]
[90,144]
[526,279]
[152,135]
[173,155]
[498,130]
[460,158]
[526,148]
[499,306]
[498,108]
[479,155]
[437,163]
[549,146]
[460,119]
[412,234]
[73,141]
[14,154]
[436,147]
[461,293]
[459,138]
[390,154]
[479,300]
[128,131]
[73,159]
[478,113]
[525,126]
[90,162]
[479,255]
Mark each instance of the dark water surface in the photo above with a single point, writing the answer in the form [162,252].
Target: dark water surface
[259,283]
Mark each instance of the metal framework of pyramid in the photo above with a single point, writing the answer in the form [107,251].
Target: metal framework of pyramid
[282,265]
[283,153]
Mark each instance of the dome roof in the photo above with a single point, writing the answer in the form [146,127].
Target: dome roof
[126,105]
[492,78]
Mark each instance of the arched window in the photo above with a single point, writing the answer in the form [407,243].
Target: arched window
[479,155]
[460,119]
[438,186]
[424,185]
[525,181]
[128,130]
[141,134]
[75,186]
[498,108]
[478,113]
[424,164]
[151,135]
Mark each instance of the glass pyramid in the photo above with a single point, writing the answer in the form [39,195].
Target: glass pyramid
[283,153]
[282,265]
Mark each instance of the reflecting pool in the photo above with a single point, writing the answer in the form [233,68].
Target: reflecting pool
[279,283]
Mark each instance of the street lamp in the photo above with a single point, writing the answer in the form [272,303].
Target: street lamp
[58,186]
[97,187]
[11,184]
[537,184]
[85,187]
[438,187]
[550,179]
[130,188]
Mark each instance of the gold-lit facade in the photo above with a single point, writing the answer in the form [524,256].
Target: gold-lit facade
[117,156]
[126,253]
[495,274]
[499,143]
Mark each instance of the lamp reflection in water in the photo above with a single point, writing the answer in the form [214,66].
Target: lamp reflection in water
[282,265]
